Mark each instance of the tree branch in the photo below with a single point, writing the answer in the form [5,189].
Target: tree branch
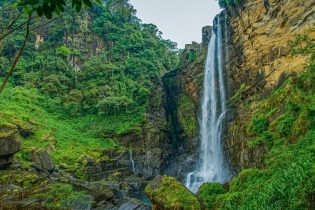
[18,27]
[17,57]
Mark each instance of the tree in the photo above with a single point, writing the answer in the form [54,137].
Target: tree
[46,8]
[49,7]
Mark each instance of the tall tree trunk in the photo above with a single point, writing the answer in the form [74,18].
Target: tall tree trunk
[18,56]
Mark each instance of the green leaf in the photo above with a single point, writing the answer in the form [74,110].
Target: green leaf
[73,3]
[32,2]
[61,7]
[40,11]
[47,11]
[87,3]
[78,6]
[52,7]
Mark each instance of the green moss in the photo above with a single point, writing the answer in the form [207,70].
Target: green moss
[23,179]
[208,193]
[170,194]
[53,195]
[187,115]
[59,196]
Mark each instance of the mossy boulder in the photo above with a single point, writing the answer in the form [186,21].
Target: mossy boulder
[208,193]
[167,193]
[9,143]
[42,161]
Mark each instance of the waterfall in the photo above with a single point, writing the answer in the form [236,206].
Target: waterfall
[212,166]
[132,162]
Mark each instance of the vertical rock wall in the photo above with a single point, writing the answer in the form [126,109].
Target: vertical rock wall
[258,39]
[151,145]
[183,89]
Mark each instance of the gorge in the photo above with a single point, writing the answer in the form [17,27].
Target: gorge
[101,110]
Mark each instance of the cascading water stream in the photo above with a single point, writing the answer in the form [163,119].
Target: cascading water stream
[132,162]
[212,165]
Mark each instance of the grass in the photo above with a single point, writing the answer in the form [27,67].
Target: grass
[114,125]
[67,144]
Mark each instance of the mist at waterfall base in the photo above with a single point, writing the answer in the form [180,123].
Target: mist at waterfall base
[212,166]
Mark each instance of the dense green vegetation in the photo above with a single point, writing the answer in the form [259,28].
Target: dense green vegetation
[284,123]
[49,7]
[66,140]
[114,80]
[83,79]
[208,192]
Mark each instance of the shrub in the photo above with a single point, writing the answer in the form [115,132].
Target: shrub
[208,192]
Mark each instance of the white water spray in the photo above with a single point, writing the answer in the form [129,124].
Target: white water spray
[132,162]
[212,167]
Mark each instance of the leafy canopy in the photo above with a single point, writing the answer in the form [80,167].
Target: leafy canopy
[49,7]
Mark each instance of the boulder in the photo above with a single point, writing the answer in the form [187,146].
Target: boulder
[100,190]
[42,161]
[133,204]
[9,144]
[167,193]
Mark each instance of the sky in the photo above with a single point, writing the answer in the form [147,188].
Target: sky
[179,20]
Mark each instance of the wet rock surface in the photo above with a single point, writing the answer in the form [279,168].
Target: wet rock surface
[133,204]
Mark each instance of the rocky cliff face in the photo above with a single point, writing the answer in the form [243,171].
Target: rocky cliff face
[182,88]
[258,37]
[82,40]
[150,146]
[145,151]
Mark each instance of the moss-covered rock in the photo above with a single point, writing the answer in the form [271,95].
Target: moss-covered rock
[208,192]
[27,190]
[167,193]
[42,160]
[187,115]
[9,143]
